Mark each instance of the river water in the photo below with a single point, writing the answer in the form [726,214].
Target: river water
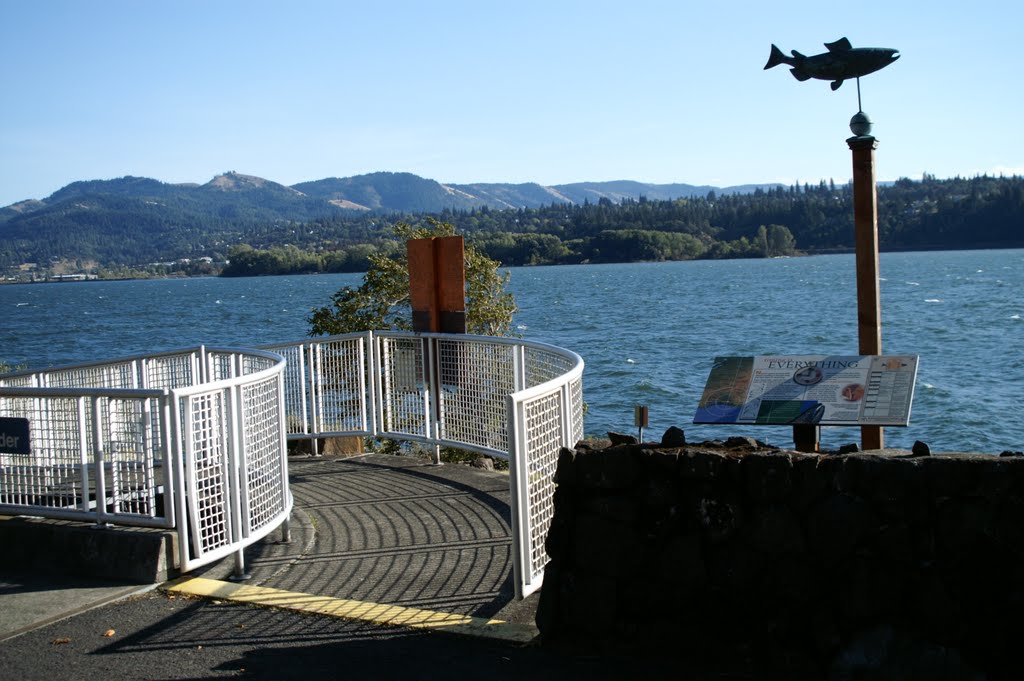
[647,331]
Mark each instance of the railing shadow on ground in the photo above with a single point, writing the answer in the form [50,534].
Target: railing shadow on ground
[396,530]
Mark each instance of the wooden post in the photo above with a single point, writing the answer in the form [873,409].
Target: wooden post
[807,438]
[437,284]
[437,295]
[450,256]
[422,285]
[865,220]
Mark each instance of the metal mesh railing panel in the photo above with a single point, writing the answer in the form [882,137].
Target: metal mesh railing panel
[220,365]
[543,365]
[61,470]
[121,375]
[20,381]
[133,443]
[253,364]
[207,466]
[543,428]
[171,371]
[296,388]
[50,476]
[341,387]
[476,377]
[576,400]
[405,387]
[265,475]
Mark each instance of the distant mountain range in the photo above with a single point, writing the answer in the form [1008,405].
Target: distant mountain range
[138,219]
[134,222]
[245,195]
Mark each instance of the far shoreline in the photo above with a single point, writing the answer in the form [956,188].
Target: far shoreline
[800,254]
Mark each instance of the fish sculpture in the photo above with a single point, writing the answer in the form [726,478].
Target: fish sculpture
[841,62]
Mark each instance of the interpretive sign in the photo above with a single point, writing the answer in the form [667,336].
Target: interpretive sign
[14,436]
[828,390]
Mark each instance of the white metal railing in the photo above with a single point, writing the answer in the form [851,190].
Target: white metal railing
[192,440]
[506,397]
[195,439]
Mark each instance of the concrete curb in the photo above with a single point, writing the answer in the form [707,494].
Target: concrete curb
[374,613]
[79,549]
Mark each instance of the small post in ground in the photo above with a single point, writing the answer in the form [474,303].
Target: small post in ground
[807,438]
[239,574]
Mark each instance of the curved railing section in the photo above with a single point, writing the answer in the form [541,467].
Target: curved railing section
[506,397]
[195,439]
[192,440]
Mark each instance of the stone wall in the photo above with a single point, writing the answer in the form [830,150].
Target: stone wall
[743,556]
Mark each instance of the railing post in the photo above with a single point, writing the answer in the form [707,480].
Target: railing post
[519,367]
[432,412]
[189,491]
[303,360]
[518,494]
[384,356]
[364,388]
[239,574]
[286,526]
[315,380]
[172,474]
[99,463]
[83,448]
[236,480]
[200,373]
[567,417]
[143,442]
[373,380]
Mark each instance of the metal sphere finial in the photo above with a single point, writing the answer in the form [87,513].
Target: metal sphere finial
[860,124]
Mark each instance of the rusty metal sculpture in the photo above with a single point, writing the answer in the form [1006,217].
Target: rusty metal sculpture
[841,62]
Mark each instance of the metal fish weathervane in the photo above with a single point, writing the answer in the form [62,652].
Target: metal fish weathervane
[841,62]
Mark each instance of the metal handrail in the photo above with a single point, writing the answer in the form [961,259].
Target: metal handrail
[506,397]
[116,443]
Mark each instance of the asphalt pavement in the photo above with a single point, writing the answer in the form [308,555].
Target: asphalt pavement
[370,535]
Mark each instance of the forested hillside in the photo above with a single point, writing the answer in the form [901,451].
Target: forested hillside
[982,212]
[132,222]
[263,227]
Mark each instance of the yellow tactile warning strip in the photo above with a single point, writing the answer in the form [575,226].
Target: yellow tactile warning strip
[376,613]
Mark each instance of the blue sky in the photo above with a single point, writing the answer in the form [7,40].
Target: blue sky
[551,92]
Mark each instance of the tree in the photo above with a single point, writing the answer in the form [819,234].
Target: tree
[382,300]
[780,240]
[762,241]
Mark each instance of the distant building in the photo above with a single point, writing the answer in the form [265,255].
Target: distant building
[73,277]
